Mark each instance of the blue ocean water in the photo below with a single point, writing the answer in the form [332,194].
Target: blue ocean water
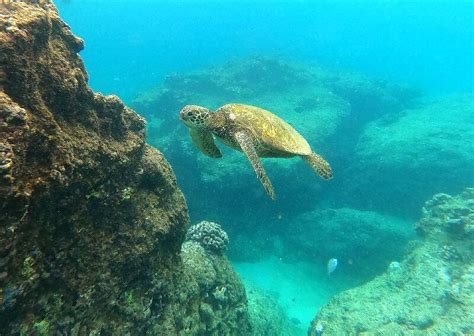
[132,45]
[388,157]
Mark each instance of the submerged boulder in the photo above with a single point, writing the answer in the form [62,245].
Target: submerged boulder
[402,159]
[91,218]
[430,292]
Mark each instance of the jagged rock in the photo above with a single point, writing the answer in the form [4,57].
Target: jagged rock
[431,292]
[92,220]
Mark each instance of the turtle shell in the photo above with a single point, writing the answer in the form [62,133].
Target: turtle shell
[272,132]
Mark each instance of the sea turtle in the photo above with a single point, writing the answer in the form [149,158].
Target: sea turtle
[252,130]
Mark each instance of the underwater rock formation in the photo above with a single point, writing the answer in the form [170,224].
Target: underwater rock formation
[91,218]
[223,307]
[411,155]
[431,292]
[267,317]
[364,242]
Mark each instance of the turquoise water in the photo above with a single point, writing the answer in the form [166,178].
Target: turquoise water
[300,287]
[383,90]
[132,45]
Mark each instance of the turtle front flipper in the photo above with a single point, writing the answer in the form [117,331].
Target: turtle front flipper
[319,165]
[247,146]
[205,142]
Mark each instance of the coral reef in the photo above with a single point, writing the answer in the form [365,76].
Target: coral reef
[417,152]
[364,242]
[210,236]
[223,294]
[431,292]
[92,220]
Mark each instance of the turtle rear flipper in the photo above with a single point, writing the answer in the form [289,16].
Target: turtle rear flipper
[247,146]
[320,166]
[205,142]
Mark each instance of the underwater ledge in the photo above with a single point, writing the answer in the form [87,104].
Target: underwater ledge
[92,221]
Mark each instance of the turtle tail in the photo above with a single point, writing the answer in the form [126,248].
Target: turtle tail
[320,166]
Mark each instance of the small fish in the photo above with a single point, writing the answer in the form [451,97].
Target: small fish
[332,264]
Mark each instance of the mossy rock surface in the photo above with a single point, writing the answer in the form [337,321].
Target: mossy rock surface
[92,219]
[430,292]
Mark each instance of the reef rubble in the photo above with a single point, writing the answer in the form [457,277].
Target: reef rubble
[430,292]
[91,217]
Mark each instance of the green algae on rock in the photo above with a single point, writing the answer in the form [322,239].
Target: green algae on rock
[431,292]
[92,220]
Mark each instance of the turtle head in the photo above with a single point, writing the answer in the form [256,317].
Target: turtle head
[195,116]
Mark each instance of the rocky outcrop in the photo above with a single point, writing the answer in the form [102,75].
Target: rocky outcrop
[431,292]
[417,152]
[266,315]
[222,309]
[91,218]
